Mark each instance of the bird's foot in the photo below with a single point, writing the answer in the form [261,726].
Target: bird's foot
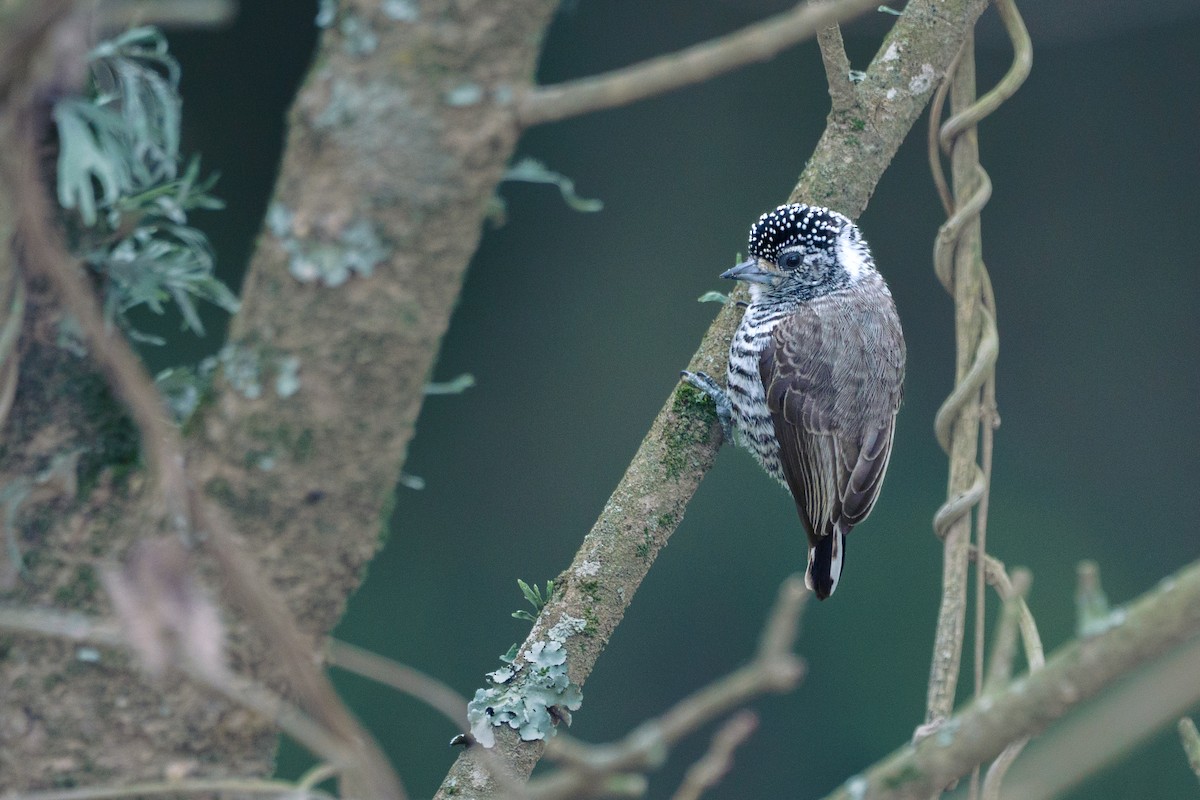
[703,382]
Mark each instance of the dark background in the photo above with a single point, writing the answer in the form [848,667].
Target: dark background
[575,327]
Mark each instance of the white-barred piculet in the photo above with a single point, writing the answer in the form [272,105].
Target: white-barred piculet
[816,372]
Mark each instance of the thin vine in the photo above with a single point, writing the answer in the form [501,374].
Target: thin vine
[966,422]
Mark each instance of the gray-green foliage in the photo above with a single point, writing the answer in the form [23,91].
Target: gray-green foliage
[119,171]
[533,594]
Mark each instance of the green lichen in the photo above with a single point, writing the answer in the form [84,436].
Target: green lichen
[302,448]
[278,439]
[118,176]
[356,250]
[114,442]
[219,490]
[530,694]
[385,521]
[643,547]
[591,623]
[80,590]
[694,417]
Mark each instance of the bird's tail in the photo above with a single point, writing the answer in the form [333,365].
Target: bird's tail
[825,560]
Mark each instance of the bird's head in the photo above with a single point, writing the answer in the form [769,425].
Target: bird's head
[803,250]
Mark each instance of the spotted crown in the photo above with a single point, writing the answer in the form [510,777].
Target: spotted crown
[794,224]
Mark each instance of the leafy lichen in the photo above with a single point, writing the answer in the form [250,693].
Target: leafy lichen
[531,693]
[118,173]
[357,250]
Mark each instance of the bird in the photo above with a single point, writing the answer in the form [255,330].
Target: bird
[816,374]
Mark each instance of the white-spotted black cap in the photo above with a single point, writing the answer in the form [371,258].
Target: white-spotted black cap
[794,224]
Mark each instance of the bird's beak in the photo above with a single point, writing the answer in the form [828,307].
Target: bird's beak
[750,271]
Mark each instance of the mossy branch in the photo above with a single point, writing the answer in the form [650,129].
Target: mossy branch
[683,440]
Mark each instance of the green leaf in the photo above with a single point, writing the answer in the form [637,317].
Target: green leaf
[454,386]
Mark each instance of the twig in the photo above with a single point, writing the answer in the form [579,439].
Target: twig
[341,755]
[1141,632]
[1017,72]
[1004,640]
[250,786]
[72,626]
[757,42]
[1015,618]
[1031,640]
[428,690]
[712,767]
[1000,672]
[775,668]
[400,677]
[1189,737]
[837,69]
[121,14]
[958,266]
[315,776]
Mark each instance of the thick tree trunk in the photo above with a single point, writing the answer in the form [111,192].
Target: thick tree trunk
[397,140]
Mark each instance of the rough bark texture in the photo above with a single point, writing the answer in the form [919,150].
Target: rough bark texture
[396,143]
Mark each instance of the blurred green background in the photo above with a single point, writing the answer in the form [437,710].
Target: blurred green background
[576,325]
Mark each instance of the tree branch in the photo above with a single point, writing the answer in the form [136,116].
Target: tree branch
[775,668]
[837,69]
[1140,633]
[187,512]
[757,42]
[1189,737]
[712,767]
[647,504]
[410,204]
[211,786]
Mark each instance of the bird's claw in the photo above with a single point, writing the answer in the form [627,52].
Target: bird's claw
[704,382]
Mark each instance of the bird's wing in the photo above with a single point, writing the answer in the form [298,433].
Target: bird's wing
[833,388]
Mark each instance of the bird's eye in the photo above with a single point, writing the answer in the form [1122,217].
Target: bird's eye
[789,260]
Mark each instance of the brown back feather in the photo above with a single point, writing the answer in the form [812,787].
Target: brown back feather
[833,375]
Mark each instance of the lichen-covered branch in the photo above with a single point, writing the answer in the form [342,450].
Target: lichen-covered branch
[681,445]
[1139,633]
